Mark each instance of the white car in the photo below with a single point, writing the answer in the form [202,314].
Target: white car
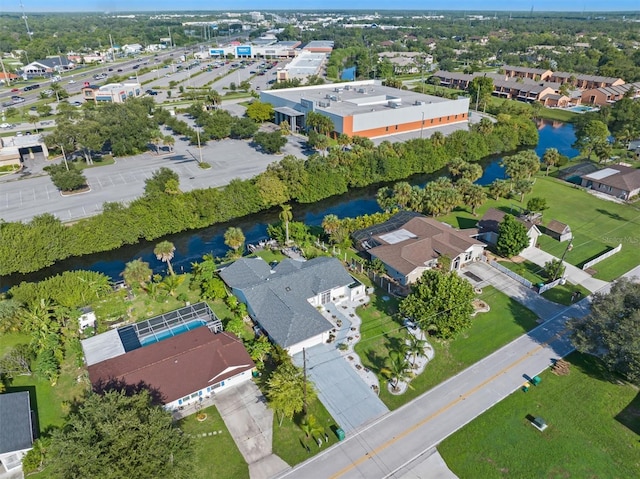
[71,81]
[5,125]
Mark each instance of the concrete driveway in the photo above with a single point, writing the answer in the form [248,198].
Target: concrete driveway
[572,273]
[245,413]
[526,296]
[349,400]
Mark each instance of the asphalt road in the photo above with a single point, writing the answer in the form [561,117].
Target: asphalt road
[389,447]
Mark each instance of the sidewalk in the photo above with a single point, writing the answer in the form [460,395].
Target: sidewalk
[572,273]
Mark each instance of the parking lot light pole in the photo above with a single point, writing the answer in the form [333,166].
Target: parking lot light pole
[199,147]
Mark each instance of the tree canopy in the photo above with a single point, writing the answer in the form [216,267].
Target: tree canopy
[512,237]
[115,436]
[611,330]
[440,303]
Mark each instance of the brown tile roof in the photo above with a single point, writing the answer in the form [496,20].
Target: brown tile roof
[492,219]
[627,180]
[432,239]
[177,366]
[556,226]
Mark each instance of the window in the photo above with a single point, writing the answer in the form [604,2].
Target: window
[396,127]
[325,297]
[386,129]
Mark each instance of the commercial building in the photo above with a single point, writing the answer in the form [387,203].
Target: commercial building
[262,49]
[366,108]
[112,92]
[15,149]
[301,67]
[180,356]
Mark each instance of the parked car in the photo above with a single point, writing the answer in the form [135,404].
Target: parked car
[13,90]
[151,92]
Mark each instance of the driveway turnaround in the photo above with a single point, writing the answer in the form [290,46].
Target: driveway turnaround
[244,411]
[526,296]
[349,400]
[573,274]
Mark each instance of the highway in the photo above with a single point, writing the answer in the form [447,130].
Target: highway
[388,447]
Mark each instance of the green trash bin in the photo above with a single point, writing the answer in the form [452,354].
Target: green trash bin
[340,434]
[536,380]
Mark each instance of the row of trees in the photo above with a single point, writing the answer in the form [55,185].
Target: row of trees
[30,246]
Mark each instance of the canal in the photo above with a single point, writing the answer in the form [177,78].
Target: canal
[192,245]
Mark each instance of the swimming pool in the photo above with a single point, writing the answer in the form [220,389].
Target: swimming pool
[167,333]
[582,109]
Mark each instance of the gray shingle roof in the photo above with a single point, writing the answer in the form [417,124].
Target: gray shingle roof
[279,300]
[16,432]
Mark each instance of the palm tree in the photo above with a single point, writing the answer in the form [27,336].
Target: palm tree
[164,252]
[330,224]
[234,239]
[398,368]
[474,196]
[156,139]
[456,166]
[416,347]
[285,216]
[171,283]
[136,272]
[437,139]
[285,128]
[522,187]
[551,158]
[402,194]
[310,426]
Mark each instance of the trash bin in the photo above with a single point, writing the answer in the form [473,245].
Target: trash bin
[340,434]
[525,387]
[535,380]
[540,285]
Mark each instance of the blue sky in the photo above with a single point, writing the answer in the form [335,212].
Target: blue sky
[265,5]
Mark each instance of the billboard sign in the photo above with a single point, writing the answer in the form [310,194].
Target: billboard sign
[216,53]
[243,51]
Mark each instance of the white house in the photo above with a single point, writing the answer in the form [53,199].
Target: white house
[284,300]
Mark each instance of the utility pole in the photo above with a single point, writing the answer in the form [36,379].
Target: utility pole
[304,384]
[568,248]
[64,156]
[26,24]
[4,72]
[478,97]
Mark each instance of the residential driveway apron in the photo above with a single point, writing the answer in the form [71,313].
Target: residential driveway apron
[349,400]
[244,411]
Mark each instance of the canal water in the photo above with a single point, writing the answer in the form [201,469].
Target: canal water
[192,245]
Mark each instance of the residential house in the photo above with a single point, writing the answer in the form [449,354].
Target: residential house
[634,147]
[7,77]
[489,225]
[180,356]
[410,243]
[558,230]
[585,82]
[16,429]
[619,181]
[611,94]
[282,300]
[407,62]
[47,67]
[540,74]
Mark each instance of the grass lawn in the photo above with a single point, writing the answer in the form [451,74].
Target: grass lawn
[288,439]
[526,269]
[593,432]
[505,321]
[598,225]
[50,403]
[215,456]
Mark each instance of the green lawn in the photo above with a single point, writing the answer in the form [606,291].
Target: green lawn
[527,270]
[215,456]
[505,321]
[594,430]
[598,225]
[288,439]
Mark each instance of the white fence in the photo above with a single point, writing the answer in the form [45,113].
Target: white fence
[548,286]
[604,256]
[510,273]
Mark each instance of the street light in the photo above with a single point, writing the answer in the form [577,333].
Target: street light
[199,147]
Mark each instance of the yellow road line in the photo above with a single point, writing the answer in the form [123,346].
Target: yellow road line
[462,397]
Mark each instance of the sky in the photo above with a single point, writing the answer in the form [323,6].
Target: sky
[266,5]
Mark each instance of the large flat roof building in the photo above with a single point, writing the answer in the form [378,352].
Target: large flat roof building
[111,92]
[366,108]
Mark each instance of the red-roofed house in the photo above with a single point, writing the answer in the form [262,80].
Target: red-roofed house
[182,368]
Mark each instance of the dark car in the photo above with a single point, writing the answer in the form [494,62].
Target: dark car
[135,67]
[151,92]
[119,70]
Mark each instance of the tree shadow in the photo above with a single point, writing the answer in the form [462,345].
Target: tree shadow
[376,361]
[116,384]
[595,368]
[630,415]
[465,223]
[613,216]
